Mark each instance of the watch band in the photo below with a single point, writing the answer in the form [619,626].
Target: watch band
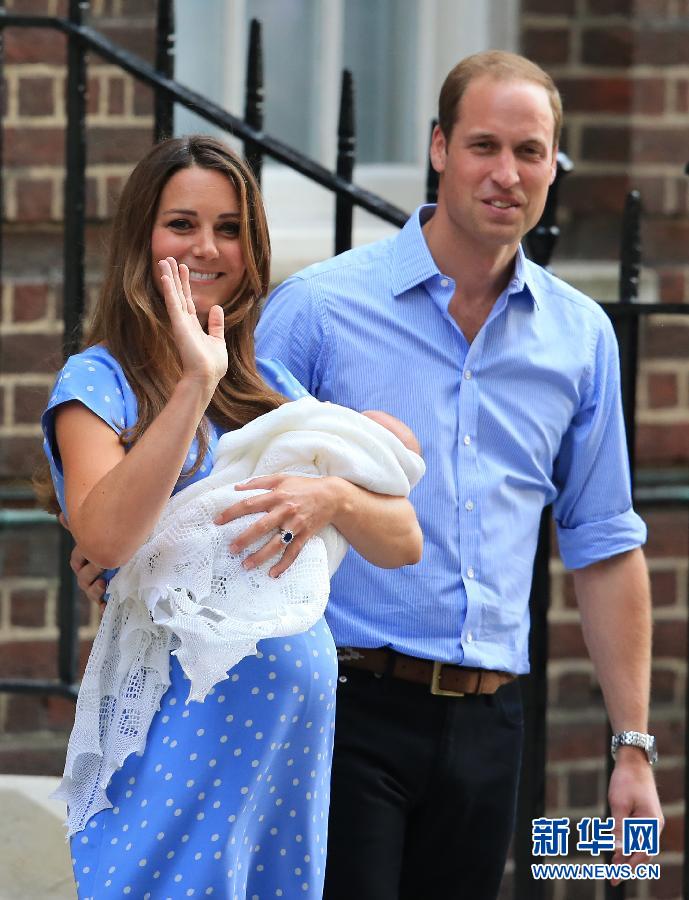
[645,742]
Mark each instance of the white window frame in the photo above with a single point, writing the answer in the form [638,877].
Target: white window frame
[300,213]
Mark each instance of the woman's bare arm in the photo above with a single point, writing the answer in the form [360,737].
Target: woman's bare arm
[115,498]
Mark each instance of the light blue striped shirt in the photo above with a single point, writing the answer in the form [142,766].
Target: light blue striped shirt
[527,414]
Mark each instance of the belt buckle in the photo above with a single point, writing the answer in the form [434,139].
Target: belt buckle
[435,683]
[348,654]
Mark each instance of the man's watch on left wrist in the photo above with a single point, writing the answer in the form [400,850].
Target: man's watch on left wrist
[645,742]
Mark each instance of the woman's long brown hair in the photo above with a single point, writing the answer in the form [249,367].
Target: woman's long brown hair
[130,315]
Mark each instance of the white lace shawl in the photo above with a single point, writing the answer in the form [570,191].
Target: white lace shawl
[184,593]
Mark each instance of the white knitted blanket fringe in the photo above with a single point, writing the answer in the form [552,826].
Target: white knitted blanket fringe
[184,593]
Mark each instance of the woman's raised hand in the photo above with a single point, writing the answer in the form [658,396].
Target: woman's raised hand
[203,354]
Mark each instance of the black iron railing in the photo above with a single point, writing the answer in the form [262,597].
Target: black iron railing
[626,316]
[253,104]
[165,65]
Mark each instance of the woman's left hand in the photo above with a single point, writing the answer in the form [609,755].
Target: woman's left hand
[293,503]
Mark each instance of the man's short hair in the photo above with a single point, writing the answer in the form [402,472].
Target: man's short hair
[502,66]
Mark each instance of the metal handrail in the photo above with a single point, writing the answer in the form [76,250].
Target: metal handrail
[213,113]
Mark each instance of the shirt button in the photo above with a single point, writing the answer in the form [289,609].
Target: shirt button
[444,282]
[467,374]
[467,440]
[470,636]
[469,505]
[470,572]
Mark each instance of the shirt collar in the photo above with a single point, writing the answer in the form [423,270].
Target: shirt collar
[413,263]
[523,281]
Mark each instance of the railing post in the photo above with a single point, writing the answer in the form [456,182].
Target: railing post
[165,65]
[534,686]
[73,301]
[432,177]
[541,240]
[627,327]
[346,148]
[75,184]
[253,103]
[3,106]
[685,867]
[627,331]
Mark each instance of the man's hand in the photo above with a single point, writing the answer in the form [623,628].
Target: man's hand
[88,574]
[632,794]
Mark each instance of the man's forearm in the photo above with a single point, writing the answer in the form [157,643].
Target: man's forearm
[615,605]
[614,599]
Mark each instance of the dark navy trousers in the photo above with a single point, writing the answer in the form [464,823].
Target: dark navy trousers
[423,791]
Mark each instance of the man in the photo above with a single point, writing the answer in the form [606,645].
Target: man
[510,379]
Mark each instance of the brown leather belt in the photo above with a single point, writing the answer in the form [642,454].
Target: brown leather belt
[444,679]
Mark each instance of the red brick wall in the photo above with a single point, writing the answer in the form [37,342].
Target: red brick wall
[119,125]
[621,68]
[120,122]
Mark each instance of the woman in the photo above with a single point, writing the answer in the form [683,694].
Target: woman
[229,797]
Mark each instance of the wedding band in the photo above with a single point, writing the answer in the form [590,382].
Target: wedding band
[286,537]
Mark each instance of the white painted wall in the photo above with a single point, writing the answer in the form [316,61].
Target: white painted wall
[211,58]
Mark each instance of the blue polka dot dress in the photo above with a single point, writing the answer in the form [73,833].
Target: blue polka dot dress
[230,797]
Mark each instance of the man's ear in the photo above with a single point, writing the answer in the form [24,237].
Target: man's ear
[438,150]
[553,167]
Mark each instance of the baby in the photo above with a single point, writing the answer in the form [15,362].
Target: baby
[401,431]
[184,593]
[200,593]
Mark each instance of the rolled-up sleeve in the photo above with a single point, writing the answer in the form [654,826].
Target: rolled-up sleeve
[593,510]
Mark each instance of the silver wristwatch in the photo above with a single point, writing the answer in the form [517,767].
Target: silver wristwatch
[646,742]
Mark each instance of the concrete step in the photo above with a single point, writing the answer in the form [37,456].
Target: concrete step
[34,856]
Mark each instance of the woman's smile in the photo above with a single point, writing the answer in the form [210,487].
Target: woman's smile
[197,223]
